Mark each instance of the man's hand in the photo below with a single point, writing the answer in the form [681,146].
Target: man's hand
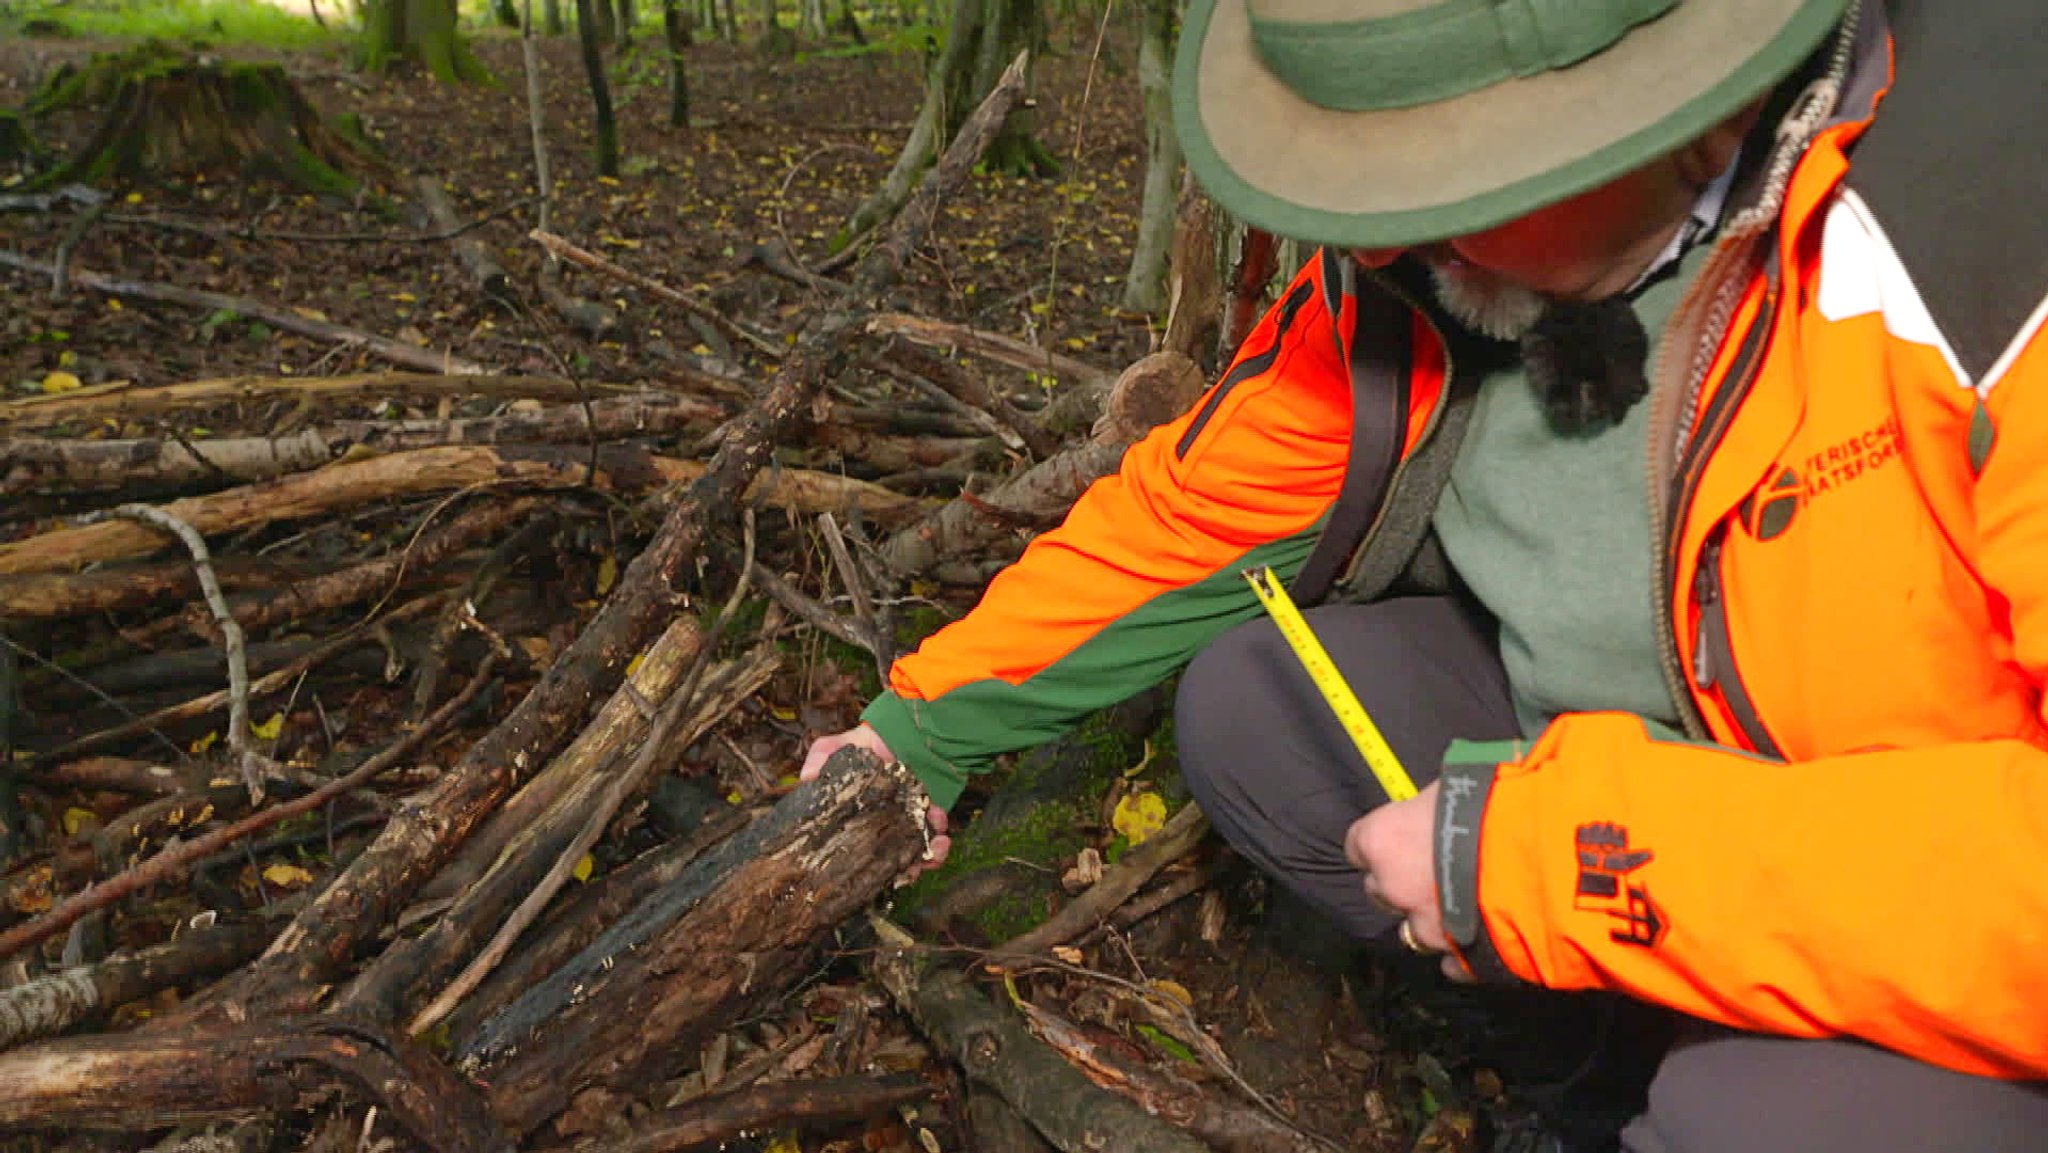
[1395,847]
[864,737]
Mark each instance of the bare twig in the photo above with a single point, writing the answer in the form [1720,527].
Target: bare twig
[394,351]
[989,346]
[252,765]
[60,280]
[557,246]
[176,857]
[1127,876]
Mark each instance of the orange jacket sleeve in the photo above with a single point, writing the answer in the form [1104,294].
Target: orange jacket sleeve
[1899,896]
[1146,568]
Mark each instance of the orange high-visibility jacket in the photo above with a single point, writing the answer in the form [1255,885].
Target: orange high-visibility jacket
[1850,483]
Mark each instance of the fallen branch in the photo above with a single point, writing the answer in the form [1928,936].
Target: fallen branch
[150,1080]
[1222,1124]
[176,858]
[559,247]
[996,1050]
[380,577]
[111,589]
[1153,391]
[262,686]
[484,270]
[1180,834]
[29,464]
[51,1004]
[394,351]
[125,399]
[121,775]
[976,394]
[987,345]
[252,766]
[350,484]
[721,1117]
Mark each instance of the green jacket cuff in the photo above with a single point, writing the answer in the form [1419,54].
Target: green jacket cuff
[895,719]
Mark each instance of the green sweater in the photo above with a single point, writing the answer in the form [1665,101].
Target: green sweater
[1552,533]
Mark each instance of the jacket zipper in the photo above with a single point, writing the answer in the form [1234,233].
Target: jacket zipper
[1714,650]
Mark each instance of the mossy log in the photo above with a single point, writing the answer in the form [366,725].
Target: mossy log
[167,114]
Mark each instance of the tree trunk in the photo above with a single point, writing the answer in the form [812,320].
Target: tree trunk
[552,16]
[422,31]
[814,19]
[587,27]
[982,36]
[506,15]
[775,39]
[1145,284]
[629,16]
[675,24]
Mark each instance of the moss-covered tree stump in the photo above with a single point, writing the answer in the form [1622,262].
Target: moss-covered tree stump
[165,113]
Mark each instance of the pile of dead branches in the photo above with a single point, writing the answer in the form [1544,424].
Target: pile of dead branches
[422,870]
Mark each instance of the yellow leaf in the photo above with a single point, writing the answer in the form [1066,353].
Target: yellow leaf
[286,876]
[310,313]
[134,198]
[61,382]
[607,573]
[404,297]
[204,743]
[783,1144]
[633,666]
[1138,816]
[113,305]
[1175,990]
[584,868]
[268,730]
[77,819]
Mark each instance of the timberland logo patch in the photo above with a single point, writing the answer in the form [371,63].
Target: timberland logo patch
[1769,511]
[1605,863]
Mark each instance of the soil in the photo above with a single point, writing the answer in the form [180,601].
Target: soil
[778,150]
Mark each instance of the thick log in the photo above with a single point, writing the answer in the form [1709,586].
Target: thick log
[1194,289]
[135,1081]
[397,352]
[33,464]
[1153,391]
[692,957]
[328,932]
[347,485]
[996,1050]
[51,1004]
[721,1117]
[393,982]
[570,930]
[126,400]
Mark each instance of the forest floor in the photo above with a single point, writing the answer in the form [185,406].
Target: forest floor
[778,150]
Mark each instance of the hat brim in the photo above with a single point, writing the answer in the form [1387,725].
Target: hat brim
[1384,179]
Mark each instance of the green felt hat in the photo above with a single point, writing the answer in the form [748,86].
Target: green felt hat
[1383,123]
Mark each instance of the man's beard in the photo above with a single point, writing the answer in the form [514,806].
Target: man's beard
[1483,301]
[1586,361]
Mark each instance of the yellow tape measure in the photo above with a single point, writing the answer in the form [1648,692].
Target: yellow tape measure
[1379,756]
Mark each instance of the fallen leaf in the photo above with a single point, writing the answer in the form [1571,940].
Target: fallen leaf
[607,573]
[79,820]
[268,730]
[61,382]
[1067,953]
[287,876]
[584,868]
[1138,816]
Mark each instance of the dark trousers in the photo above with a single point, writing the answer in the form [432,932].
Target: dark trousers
[1278,777]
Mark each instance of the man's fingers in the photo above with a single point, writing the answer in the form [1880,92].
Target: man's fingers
[936,818]
[941,846]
